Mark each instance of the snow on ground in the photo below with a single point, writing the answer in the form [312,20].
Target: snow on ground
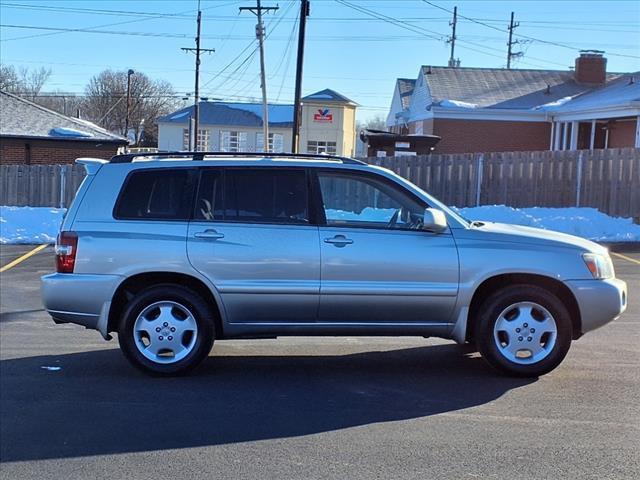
[29,224]
[583,222]
[41,224]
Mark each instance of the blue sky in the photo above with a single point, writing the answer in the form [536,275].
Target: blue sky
[347,49]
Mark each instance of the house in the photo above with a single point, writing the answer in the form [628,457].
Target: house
[32,134]
[327,126]
[494,110]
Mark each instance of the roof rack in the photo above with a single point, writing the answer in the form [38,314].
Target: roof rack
[198,156]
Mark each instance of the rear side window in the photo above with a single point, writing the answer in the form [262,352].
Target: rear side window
[162,194]
[254,196]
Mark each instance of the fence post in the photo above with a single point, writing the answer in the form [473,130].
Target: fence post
[479,170]
[63,186]
[578,178]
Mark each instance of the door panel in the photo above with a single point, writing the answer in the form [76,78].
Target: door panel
[378,264]
[388,276]
[253,239]
[263,272]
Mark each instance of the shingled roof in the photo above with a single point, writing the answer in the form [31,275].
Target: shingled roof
[500,88]
[24,119]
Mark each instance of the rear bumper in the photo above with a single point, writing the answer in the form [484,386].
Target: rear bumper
[599,301]
[79,298]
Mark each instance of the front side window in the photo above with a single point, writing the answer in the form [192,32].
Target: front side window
[161,194]
[319,147]
[233,141]
[365,201]
[254,196]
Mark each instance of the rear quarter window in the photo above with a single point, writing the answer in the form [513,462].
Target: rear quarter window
[160,194]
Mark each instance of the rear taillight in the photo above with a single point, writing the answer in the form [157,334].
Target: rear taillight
[66,249]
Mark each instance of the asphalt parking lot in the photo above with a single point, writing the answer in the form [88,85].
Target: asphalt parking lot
[309,408]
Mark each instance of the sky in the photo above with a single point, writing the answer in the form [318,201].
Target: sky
[355,47]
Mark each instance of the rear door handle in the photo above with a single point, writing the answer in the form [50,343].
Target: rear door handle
[339,241]
[210,234]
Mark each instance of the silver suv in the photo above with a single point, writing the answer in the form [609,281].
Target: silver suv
[172,251]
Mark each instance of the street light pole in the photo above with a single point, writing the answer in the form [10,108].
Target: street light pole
[126,121]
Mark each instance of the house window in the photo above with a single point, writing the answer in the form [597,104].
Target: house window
[203,140]
[321,147]
[185,139]
[233,141]
[276,142]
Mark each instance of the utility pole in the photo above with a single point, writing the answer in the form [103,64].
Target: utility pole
[257,11]
[193,138]
[304,13]
[452,38]
[126,120]
[510,53]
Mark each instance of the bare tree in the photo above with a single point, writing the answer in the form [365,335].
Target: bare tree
[9,80]
[24,82]
[374,123]
[106,102]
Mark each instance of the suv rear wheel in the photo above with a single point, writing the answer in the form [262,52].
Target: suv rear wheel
[166,330]
[524,330]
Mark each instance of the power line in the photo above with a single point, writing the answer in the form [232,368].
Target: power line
[539,40]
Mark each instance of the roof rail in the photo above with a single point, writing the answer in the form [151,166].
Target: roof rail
[198,156]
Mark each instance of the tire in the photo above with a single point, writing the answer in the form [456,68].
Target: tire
[166,330]
[523,331]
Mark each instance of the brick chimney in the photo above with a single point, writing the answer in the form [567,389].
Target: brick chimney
[591,67]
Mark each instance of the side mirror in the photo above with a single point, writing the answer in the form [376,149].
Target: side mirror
[434,220]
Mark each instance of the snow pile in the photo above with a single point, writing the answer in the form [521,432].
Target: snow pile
[457,104]
[583,222]
[30,224]
[368,214]
[41,224]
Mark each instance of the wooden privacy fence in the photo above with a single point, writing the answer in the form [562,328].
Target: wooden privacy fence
[39,185]
[608,180]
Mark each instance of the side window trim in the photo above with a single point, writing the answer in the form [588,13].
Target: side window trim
[223,176]
[190,195]
[357,173]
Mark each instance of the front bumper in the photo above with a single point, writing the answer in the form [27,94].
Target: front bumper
[599,301]
[82,299]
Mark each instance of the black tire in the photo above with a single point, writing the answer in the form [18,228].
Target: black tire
[503,299]
[201,312]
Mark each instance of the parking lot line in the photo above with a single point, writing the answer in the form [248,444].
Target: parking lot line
[632,260]
[23,257]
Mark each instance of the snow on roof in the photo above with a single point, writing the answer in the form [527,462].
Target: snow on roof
[21,118]
[69,132]
[553,105]
[618,93]
[499,88]
[456,104]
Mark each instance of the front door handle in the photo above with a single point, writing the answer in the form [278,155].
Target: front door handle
[210,234]
[339,241]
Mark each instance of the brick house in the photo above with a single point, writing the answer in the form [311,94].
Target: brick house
[496,110]
[32,134]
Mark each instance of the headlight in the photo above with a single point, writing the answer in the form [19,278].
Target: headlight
[600,266]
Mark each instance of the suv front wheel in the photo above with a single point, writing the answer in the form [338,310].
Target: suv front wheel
[166,330]
[524,330]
